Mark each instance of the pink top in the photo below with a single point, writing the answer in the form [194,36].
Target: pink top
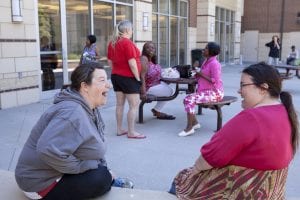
[153,75]
[257,138]
[212,69]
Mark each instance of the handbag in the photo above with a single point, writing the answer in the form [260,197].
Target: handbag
[184,70]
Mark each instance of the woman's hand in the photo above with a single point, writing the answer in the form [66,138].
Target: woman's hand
[143,96]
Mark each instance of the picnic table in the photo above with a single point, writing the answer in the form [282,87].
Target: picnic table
[288,68]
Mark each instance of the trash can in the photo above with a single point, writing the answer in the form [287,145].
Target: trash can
[197,57]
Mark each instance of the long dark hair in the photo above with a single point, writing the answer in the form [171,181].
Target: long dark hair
[144,53]
[263,73]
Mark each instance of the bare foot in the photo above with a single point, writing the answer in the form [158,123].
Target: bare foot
[136,135]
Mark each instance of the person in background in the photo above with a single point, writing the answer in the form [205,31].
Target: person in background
[274,52]
[250,155]
[49,62]
[124,59]
[151,84]
[66,147]
[90,52]
[293,55]
[210,87]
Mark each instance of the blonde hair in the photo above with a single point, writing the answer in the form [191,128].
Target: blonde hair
[120,30]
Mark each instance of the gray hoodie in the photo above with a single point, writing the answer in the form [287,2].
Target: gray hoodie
[67,139]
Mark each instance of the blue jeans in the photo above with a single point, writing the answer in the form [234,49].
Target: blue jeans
[90,184]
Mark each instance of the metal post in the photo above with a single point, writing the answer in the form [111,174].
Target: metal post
[281,26]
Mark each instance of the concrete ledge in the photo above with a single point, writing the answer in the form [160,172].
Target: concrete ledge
[10,190]
[136,194]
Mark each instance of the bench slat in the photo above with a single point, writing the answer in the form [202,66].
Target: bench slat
[227,100]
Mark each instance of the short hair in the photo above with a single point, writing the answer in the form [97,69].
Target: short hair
[92,38]
[213,48]
[293,47]
[84,73]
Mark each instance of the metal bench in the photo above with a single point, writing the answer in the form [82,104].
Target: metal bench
[190,82]
[285,76]
[151,98]
[227,100]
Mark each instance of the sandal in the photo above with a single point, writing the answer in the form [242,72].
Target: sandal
[140,136]
[161,115]
[165,116]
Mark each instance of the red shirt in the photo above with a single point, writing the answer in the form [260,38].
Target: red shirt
[257,138]
[123,51]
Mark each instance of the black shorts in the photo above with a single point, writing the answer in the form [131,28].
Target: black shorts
[127,85]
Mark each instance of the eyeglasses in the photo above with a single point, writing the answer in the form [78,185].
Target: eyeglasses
[246,84]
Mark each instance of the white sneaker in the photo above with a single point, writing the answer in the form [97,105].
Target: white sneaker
[197,126]
[183,133]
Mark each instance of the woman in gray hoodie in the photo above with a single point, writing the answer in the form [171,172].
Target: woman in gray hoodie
[63,157]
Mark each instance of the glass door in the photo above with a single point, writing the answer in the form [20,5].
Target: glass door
[63,28]
[50,44]
[78,27]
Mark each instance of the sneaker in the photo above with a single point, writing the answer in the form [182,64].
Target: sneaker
[123,183]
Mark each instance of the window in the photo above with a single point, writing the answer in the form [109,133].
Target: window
[104,21]
[224,33]
[169,27]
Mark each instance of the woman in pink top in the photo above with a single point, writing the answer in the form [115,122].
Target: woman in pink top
[253,150]
[210,87]
[151,84]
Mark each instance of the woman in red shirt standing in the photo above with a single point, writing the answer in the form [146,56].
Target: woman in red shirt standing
[124,59]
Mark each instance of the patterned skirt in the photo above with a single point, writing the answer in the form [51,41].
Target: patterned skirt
[231,182]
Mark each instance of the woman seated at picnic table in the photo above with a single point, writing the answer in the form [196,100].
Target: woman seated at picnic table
[151,84]
[249,157]
[210,87]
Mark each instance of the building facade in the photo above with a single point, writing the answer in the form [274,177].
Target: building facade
[262,19]
[42,40]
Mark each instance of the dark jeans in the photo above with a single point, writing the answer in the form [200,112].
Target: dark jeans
[172,189]
[290,61]
[90,184]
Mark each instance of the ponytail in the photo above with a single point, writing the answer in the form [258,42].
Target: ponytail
[287,101]
[119,31]
[115,36]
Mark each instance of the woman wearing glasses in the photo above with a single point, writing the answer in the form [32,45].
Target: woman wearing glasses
[249,157]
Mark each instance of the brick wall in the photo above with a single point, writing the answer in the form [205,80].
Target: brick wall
[265,15]
[19,61]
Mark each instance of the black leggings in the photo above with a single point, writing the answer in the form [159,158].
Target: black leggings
[90,184]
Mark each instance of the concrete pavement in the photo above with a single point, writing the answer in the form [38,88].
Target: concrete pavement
[153,162]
